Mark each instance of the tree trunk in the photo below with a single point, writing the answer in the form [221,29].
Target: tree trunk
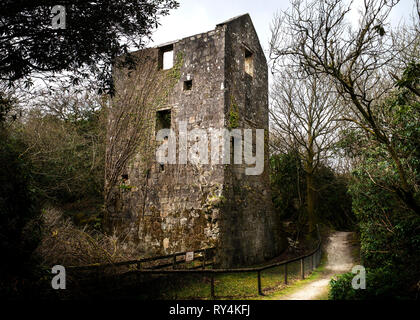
[310,197]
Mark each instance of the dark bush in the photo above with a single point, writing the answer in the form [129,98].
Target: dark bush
[19,231]
[381,283]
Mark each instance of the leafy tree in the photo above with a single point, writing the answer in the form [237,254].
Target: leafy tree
[96,32]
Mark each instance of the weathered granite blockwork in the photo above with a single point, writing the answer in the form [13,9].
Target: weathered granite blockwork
[187,207]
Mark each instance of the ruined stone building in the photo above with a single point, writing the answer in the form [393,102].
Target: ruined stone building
[221,82]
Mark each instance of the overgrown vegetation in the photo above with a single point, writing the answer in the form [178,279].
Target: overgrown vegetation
[332,201]
[69,245]
[64,140]
[132,122]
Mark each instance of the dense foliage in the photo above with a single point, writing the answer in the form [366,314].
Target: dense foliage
[287,184]
[389,229]
[332,202]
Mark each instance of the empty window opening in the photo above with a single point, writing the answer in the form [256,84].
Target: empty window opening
[168,60]
[163,120]
[249,62]
[188,85]
[166,57]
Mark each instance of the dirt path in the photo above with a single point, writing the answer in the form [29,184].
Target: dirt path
[339,260]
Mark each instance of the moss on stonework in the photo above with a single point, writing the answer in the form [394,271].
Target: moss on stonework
[175,72]
[215,201]
[172,76]
[125,187]
[233,114]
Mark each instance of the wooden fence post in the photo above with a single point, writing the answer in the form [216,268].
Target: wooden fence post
[174,261]
[316,259]
[259,284]
[285,273]
[302,268]
[312,262]
[204,259]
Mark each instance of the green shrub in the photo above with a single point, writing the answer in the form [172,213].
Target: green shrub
[341,288]
[381,283]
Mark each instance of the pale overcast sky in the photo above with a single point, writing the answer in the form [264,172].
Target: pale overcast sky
[196,16]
